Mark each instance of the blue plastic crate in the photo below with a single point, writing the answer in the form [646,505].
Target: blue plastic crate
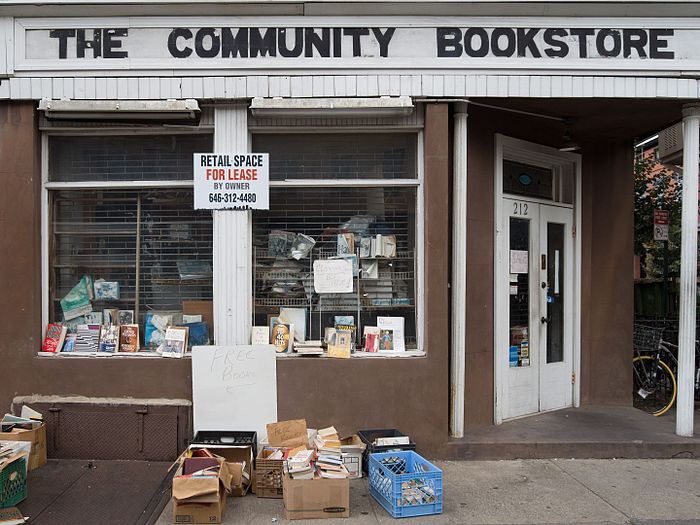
[405,484]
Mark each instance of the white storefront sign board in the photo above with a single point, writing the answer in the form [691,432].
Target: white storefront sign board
[247,43]
[234,387]
[226,181]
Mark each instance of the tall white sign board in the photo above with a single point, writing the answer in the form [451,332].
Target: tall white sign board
[234,387]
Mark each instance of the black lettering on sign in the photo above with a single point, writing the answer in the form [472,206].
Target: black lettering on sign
[582,35]
[175,34]
[482,36]
[558,48]
[82,44]
[285,50]
[321,43]
[383,39]
[232,46]
[634,39]
[263,45]
[656,44]
[111,43]
[356,33]
[207,43]
[63,35]
[526,42]
[449,43]
[500,48]
[608,43]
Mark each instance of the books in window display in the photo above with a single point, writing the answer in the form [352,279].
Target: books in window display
[175,342]
[55,336]
[129,338]
[109,338]
[309,348]
[87,338]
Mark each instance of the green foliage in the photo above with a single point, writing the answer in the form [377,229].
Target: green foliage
[656,189]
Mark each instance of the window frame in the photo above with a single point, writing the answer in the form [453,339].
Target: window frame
[47,187]
[417,183]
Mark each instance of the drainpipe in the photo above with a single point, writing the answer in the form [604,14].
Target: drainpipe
[459,271]
[689,268]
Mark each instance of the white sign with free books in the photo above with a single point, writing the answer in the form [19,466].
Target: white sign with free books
[333,276]
[234,387]
[231,181]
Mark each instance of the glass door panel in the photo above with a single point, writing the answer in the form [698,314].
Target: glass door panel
[556,293]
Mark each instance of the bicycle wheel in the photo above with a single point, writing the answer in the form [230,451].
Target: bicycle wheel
[654,385]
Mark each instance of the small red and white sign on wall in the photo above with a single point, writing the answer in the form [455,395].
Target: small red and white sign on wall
[660,225]
[231,181]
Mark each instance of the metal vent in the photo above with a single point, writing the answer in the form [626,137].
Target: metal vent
[671,144]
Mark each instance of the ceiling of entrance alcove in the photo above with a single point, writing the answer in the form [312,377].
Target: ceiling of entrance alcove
[601,118]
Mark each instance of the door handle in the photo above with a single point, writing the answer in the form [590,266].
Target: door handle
[544,285]
[544,320]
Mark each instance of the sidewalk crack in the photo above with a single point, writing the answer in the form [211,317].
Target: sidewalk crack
[589,489]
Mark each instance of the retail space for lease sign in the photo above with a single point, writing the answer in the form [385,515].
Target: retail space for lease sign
[231,181]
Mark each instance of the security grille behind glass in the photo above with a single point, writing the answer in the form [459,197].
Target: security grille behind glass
[384,284]
[151,242]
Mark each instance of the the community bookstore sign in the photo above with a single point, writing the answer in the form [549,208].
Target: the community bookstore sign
[238,181]
[465,43]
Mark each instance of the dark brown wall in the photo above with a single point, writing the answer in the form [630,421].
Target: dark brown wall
[20,316]
[409,394]
[608,253]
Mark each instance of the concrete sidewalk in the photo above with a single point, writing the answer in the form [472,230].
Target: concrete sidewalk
[588,491]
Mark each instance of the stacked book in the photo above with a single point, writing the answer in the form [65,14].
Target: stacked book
[309,347]
[329,463]
[300,465]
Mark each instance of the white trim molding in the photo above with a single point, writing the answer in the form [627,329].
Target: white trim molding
[233,256]
[459,272]
[689,267]
[429,84]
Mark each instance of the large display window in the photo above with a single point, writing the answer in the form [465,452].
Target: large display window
[125,246]
[340,196]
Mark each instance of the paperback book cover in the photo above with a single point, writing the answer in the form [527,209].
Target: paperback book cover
[282,337]
[340,345]
[129,338]
[109,338]
[87,338]
[260,335]
[55,335]
[386,339]
[371,338]
[69,343]
[175,342]
[126,317]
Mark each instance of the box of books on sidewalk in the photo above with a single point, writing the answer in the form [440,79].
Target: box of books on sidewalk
[268,471]
[352,449]
[315,482]
[29,426]
[200,486]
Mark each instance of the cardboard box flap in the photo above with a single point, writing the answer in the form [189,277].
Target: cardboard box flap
[287,433]
[352,442]
[190,487]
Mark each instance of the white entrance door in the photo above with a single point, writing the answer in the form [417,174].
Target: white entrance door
[535,284]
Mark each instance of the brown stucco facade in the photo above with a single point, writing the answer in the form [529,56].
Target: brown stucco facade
[409,394]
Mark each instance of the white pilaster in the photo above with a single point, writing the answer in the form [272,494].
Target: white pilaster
[689,268]
[459,271]
[232,241]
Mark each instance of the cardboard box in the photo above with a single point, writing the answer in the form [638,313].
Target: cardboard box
[352,448]
[200,499]
[316,498]
[37,437]
[268,473]
[234,455]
